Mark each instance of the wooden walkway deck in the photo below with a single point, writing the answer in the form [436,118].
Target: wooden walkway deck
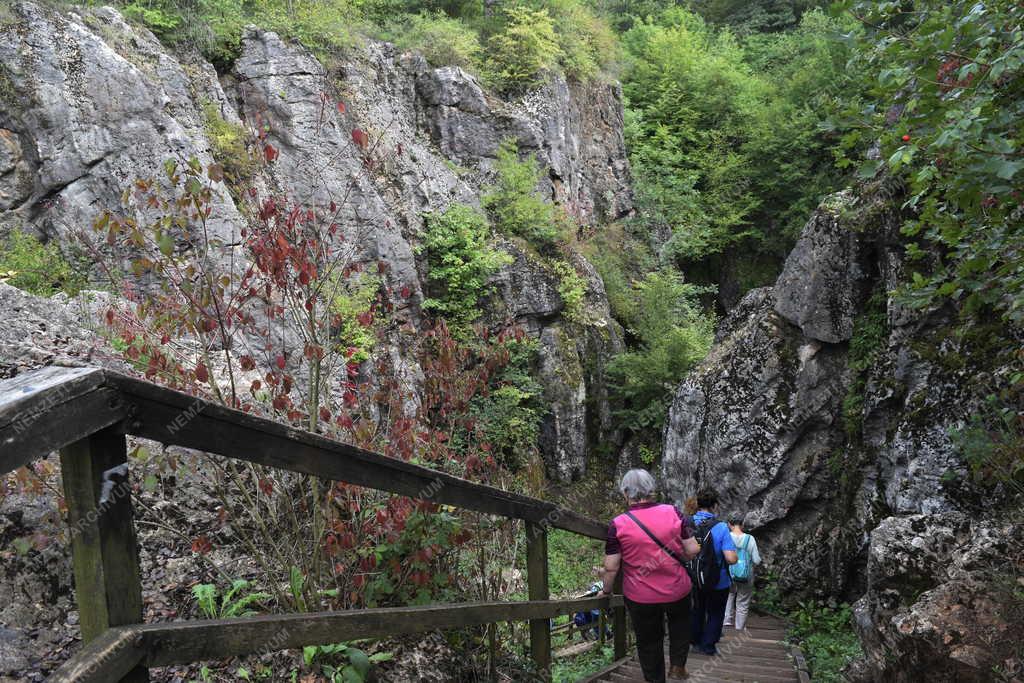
[756,655]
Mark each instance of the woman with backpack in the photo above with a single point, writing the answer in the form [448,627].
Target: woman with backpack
[649,543]
[741,573]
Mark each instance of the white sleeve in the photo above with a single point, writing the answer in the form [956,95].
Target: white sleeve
[755,556]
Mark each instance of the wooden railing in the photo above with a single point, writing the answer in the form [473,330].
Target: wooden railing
[86,413]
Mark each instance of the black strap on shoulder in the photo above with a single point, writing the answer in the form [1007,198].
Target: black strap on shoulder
[656,539]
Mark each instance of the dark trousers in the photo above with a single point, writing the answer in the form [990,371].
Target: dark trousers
[708,615]
[649,626]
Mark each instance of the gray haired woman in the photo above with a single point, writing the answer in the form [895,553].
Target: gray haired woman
[649,543]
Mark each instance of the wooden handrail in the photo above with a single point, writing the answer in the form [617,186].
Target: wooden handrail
[86,413]
[184,642]
[90,399]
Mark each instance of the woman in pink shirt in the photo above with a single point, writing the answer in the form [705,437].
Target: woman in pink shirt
[649,544]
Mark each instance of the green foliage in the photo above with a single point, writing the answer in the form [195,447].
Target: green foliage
[572,669]
[159,18]
[572,289]
[342,663]
[38,268]
[723,134]
[870,332]
[461,261]
[586,44]
[573,561]
[825,634]
[229,145]
[511,413]
[442,39]
[672,335]
[524,50]
[236,601]
[992,443]
[756,16]
[515,205]
[946,100]
[351,300]
[214,27]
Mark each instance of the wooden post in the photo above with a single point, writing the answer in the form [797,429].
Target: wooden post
[105,555]
[537,578]
[619,622]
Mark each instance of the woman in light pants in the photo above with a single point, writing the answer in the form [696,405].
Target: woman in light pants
[740,593]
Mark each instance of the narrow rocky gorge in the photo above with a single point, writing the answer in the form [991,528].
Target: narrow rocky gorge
[827,408]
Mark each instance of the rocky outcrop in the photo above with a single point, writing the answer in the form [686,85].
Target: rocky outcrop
[91,103]
[943,600]
[829,412]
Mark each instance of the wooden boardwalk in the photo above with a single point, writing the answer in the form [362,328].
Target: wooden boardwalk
[756,655]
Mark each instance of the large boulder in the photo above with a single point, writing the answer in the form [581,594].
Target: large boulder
[826,277]
[829,412]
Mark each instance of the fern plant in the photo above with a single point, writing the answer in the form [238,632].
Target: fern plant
[236,601]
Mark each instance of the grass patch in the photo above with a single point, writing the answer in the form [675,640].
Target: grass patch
[37,268]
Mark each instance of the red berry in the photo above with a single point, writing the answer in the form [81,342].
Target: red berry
[906,138]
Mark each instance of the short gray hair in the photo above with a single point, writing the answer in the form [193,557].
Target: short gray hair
[638,484]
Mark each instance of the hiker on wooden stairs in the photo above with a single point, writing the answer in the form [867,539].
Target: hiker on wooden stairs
[649,543]
[709,600]
[742,574]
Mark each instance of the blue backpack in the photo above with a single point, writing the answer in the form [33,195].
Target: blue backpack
[740,572]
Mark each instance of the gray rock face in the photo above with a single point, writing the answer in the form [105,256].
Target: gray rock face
[829,416]
[55,331]
[575,130]
[755,422]
[80,121]
[91,103]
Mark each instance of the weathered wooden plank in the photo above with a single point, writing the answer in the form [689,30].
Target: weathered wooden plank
[196,640]
[172,417]
[32,393]
[97,489]
[619,621]
[111,656]
[537,583]
[43,410]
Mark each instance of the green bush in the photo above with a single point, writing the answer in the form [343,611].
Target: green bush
[586,44]
[214,27]
[511,413]
[525,49]
[38,268]
[572,288]
[442,39]
[516,206]
[955,72]
[160,18]
[229,145]
[672,335]
[825,634]
[460,261]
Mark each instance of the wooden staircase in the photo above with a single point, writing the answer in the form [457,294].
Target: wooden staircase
[756,655]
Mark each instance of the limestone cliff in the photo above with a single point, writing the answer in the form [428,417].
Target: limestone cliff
[91,103]
[828,411]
